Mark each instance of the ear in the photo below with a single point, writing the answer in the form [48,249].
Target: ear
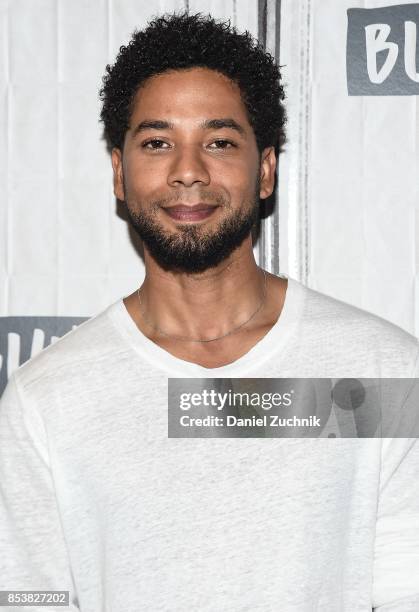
[118,180]
[267,172]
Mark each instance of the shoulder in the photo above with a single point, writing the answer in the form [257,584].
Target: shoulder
[80,350]
[347,329]
[349,319]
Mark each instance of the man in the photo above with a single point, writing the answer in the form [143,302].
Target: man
[95,497]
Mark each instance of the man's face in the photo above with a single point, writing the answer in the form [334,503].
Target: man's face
[190,171]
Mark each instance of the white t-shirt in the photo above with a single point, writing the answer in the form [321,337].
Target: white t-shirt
[96,499]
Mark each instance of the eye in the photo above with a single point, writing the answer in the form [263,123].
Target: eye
[154,144]
[221,143]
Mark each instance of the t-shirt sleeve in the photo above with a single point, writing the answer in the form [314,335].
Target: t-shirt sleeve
[33,551]
[396,555]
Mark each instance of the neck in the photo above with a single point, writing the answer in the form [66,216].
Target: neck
[205,305]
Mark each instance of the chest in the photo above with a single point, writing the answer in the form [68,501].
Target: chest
[218,353]
[228,514]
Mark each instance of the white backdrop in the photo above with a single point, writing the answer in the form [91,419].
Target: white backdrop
[349,188]
[347,193]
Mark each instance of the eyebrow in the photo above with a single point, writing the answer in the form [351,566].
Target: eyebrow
[152,124]
[218,124]
[209,124]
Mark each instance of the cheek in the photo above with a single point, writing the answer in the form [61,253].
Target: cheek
[237,176]
[143,176]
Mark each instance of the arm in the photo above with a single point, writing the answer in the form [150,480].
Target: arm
[33,551]
[396,564]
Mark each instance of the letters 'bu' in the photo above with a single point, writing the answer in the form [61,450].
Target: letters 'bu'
[376,41]
[382,52]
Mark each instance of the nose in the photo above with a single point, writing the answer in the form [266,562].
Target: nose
[188,168]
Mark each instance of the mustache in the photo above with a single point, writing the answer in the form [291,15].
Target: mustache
[208,196]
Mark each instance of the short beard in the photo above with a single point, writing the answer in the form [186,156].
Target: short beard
[191,249]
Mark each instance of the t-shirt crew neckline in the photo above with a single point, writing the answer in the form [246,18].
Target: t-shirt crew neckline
[273,342]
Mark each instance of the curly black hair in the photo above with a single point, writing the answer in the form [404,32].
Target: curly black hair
[181,41]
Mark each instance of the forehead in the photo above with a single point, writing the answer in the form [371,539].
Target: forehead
[187,94]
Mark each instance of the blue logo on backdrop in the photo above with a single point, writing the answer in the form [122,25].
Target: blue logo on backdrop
[382,54]
[22,337]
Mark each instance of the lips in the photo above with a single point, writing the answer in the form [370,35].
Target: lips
[195,212]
